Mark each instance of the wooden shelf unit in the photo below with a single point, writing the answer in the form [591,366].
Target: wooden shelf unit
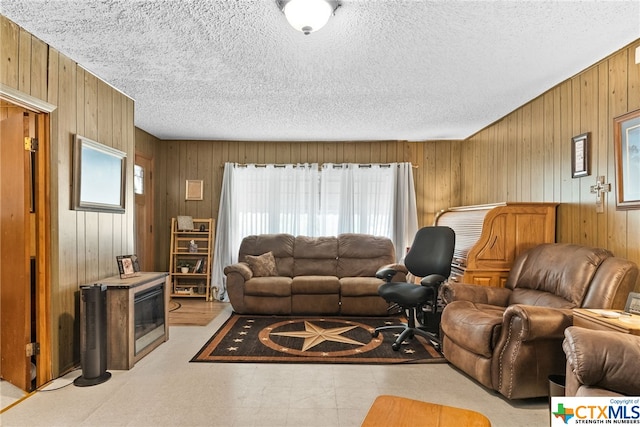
[196,282]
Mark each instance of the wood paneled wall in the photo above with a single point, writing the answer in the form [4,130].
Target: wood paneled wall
[145,143]
[437,171]
[526,156]
[84,244]
[523,157]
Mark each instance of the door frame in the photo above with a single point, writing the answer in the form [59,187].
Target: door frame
[148,235]
[42,109]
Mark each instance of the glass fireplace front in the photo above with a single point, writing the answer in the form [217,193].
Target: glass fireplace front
[149,317]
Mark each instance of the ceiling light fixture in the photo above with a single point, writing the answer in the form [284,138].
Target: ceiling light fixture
[308,16]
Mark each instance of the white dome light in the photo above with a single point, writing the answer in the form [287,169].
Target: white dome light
[308,16]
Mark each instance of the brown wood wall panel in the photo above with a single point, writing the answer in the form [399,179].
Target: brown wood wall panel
[145,143]
[24,68]
[618,104]
[633,101]
[535,141]
[523,157]
[600,151]
[71,266]
[83,244]
[176,161]
[9,34]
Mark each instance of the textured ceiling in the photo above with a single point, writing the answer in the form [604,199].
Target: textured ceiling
[379,70]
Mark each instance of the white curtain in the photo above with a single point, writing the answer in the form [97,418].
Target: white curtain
[377,199]
[261,199]
[405,224]
[275,199]
[223,249]
[357,199]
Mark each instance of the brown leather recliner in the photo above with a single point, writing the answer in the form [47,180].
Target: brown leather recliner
[510,339]
[601,363]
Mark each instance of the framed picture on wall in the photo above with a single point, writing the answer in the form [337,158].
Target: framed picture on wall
[194,189]
[626,140]
[580,155]
[98,177]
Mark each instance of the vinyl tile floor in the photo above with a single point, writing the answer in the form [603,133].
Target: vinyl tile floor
[165,389]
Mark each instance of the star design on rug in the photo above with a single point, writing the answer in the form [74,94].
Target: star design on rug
[238,340]
[232,348]
[409,351]
[314,335]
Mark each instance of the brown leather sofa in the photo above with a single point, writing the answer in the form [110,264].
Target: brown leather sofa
[510,339]
[312,275]
[601,363]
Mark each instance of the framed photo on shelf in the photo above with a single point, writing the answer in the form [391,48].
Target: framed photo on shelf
[580,155]
[185,223]
[626,140]
[633,303]
[128,266]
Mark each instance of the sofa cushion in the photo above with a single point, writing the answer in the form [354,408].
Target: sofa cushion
[359,286]
[315,285]
[281,245]
[562,269]
[538,298]
[262,265]
[277,286]
[475,327]
[361,255]
[315,256]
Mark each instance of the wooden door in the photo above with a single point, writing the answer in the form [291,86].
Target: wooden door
[15,240]
[143,189]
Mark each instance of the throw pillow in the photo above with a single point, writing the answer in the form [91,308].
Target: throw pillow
[262,265]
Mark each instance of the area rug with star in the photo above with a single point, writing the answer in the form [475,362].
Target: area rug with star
[312,339]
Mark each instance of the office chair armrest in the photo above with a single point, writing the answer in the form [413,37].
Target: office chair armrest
[432,279]
[387,272]
[452,291]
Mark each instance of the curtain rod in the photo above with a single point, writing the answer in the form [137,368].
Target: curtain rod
[281,165]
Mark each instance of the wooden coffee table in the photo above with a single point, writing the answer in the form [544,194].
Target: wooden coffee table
[399,411]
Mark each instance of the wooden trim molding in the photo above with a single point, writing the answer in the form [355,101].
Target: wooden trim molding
[23,100]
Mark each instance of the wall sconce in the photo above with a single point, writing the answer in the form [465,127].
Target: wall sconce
[308,16]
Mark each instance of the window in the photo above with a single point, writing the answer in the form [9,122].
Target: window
[138,179]
[304,200]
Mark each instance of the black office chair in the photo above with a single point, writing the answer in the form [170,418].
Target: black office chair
[429,257]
